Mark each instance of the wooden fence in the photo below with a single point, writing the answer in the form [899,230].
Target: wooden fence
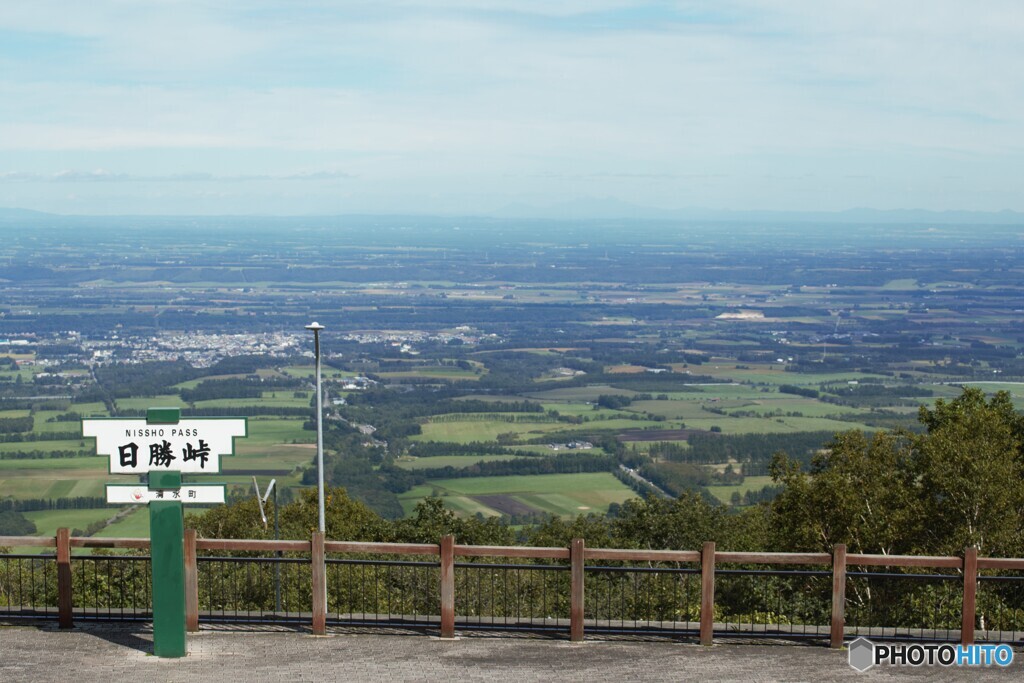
[577,555]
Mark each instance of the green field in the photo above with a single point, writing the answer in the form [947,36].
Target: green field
[162,401]
[193,383]
[587,410]
[41,425]
[300,371]
[134,525]
[724,493]
[565,495]
[269,399]
[48,521]
[43,446]
[53,477]
[275,430]
[441,372]
[774,425]
[451,461]
[484,430]
[1015,389]
[576,394]
[89,409]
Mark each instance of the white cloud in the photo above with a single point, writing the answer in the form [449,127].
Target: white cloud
[101,175]
[479,97]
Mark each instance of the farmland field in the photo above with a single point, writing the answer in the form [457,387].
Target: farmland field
[724,493]
[451,461]
[558,494]
[133,525]
[162,401]
[48,521]
[468,432]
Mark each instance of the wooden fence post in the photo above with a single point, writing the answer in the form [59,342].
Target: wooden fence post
[707,593]
[838,594]
[191,582]
[319,570]
[64,600]
[448,586]
[970,596]
[576,581]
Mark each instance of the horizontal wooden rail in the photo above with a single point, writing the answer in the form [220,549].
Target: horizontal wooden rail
[382,548]
[91,542]
[924,561]
[251,545]
[28,541]
[1001,563]
[511,551]
[617,554]
[772,558]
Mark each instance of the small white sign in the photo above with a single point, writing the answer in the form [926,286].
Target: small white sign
[191,445]
[208,494]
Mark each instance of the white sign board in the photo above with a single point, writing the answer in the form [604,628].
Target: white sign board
[192,445]
[208,494]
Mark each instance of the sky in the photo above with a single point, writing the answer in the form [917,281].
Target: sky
[489,106]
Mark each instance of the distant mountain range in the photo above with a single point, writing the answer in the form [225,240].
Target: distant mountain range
[613,208]
[603,209]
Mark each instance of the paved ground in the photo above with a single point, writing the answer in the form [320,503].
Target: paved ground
[110,654]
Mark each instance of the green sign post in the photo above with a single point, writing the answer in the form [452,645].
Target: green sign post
[167,553]
[163,446]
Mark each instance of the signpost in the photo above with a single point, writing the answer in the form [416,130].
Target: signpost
[164,446]
[193,494]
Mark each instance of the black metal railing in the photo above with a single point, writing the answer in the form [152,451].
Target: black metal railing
[253,590]
[773,603]
[112,587]
[512,596]
[651,599]
[904,606]
[28,586]
[1001,608]
[383,592]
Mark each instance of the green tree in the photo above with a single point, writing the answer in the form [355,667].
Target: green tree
[345,519]
[955,485]
[13,523]
[971,464]
[682,523]
[861,491]
[557,532]
[431,520]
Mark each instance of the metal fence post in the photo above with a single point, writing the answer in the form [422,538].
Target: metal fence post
[447,558]
[576,581]
[970,596]
[191,582]
[64,601]
[838,595]
[319,571]
[707,593]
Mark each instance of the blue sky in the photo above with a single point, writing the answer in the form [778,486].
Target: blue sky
[469,107]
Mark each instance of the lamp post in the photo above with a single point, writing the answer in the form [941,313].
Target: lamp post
[316,327]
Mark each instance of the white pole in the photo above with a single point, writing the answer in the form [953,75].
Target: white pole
[316,327]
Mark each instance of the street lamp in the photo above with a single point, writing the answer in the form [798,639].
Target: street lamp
[316,327]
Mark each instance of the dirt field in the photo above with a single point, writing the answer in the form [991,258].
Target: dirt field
[506,505]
